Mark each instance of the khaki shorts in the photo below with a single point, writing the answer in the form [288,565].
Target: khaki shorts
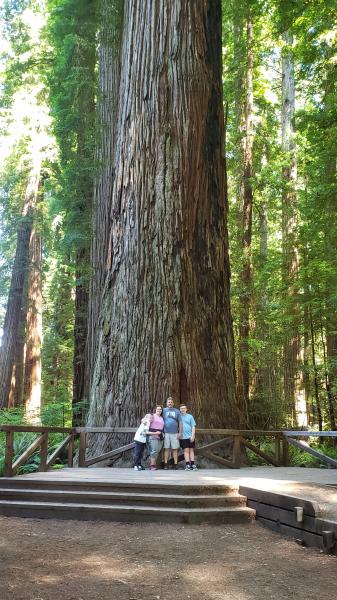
[171,441]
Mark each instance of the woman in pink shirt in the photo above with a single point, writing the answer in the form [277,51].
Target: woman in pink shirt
[155,438]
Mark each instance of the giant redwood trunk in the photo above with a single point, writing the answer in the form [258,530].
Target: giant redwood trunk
[111,23]
[165,320]
[295,404]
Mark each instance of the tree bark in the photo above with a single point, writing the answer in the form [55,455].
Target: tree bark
[11,358]
[166,326]
[32,370]
[110,40]
[84,57]
[246,200]
[293,354]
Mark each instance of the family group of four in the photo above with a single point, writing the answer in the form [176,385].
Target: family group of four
[168,427]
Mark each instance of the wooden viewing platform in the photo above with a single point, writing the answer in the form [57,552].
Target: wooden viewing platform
[298,502]
[295,501]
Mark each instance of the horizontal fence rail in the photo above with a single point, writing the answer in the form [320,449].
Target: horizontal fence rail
[236,442]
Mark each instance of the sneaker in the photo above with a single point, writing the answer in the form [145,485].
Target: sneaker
[188,468]
[141,468]
[165,467]
[153,468]
[175,467]
[136,468]
[194,468]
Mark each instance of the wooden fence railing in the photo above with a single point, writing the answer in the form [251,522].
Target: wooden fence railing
[235,440]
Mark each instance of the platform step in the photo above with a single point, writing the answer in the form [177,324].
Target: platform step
[103,497]
[125,512]
[187,489]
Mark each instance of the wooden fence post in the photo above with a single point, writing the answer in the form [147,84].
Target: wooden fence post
[237,451]
[83,447]
[285,452]
[278,448]
[71,452]
[9,454]
[44,452]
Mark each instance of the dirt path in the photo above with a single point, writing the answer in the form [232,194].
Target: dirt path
[68,560]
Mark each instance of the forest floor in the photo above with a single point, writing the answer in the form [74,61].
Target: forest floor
[74,560]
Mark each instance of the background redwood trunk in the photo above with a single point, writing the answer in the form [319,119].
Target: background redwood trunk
[110,39]
[12,346]
[32,370]
[246,201]
[165,322]
[293,352]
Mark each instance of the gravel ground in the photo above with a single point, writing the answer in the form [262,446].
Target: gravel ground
[74,560]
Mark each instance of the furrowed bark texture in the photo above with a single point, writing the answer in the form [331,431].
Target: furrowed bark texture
[111,16]
[165,322]
[11,360]
[293,352]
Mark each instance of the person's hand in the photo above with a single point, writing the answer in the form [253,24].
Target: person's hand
[178,436]
[192,439]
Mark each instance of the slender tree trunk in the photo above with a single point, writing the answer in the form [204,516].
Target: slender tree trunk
[247,213]
[293,360]
[85,57]
[331,410]
[316,389]
[110,38]
[12,346]
[166,325]
[32,371]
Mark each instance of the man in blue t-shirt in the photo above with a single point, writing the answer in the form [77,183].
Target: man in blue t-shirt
[172,431]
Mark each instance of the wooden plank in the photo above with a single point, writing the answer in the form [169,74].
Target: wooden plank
[82,450]
[27,453]
[226,440]
[111,454]
[310,433]
[266,457]
[43,452]
[215,432]
[306,448]
[309,539]
[216,459]
[52,458]
[281,500]
[8,470]
[37,429]
[287,517]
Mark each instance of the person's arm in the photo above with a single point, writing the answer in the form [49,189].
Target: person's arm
[193,423]
[180,426]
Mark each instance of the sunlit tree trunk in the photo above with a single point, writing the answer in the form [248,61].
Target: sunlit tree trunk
[165,320]
[32,370]
[293,353]
[246,201]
